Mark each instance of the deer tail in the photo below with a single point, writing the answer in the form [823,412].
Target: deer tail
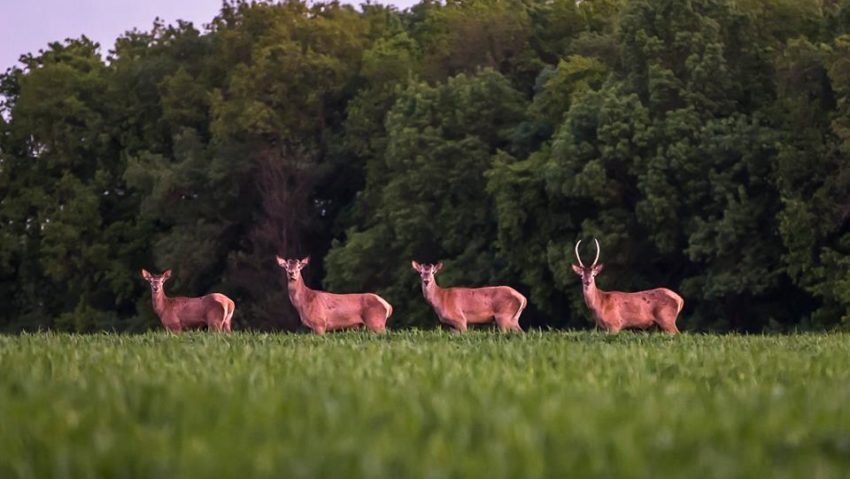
[523,302]
[229,307]
[680,303]
[387,306]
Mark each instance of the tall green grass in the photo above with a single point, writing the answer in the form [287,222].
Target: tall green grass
[424,404]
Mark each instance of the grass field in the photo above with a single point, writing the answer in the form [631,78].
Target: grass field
[424,404]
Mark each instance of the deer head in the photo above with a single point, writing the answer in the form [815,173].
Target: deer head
[156,280]
[427,271]
[588,273]
[293,267]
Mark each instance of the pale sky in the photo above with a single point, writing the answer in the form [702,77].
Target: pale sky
[27,26]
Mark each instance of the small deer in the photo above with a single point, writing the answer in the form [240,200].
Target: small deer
[458,307]
[322,311]
[213,310]
[615,310]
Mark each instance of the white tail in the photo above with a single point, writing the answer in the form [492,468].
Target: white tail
[321,311]
[459,307]
[615,310]
[523,304]
[229,307]
[178,314]
[387,306]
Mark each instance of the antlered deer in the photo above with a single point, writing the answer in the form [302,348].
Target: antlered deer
[458,307]
[213,310]
[615,310]
[322,311]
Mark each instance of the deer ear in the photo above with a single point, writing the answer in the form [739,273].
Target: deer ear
[146,275]
[280,261]
[166,274]
[416,266]
[577,269]
[598,269]
[438,266]
[305,261]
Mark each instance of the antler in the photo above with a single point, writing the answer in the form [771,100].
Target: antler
[577,255]
[597,253]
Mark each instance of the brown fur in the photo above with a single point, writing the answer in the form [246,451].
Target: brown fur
[322,311]
[616,310]
[459,307]
[212,311]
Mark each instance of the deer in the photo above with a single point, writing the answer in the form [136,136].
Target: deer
[616,310]
[321,311]
[177,314]
[459,307]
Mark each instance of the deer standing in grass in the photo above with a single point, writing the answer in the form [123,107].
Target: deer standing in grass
[458,307]
[615,310]
[322,311]
[213,310]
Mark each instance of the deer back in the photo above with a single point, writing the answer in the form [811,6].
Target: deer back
[193,312]
[484,302]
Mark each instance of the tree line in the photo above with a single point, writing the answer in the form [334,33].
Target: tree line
[705,143]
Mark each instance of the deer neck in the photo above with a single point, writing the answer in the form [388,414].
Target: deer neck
[298,291]
[161,302]
[592,296]
[432,291]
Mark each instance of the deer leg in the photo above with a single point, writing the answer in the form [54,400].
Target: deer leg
[376,325]
[376,321]
[456,326]
[510,328]
[669,326]
[225,321]
[456,322]
[462,323]
[173,329]
[215,321]
[214,324]
[613,328]
[506,323]
[459,327]
[665,318]
[503,322]
[614,324]
[447,326]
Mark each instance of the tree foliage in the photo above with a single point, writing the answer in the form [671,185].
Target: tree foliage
[704,142]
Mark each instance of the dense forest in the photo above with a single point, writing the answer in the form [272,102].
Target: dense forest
[705,143]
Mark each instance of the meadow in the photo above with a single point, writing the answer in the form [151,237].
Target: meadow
[424,404]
